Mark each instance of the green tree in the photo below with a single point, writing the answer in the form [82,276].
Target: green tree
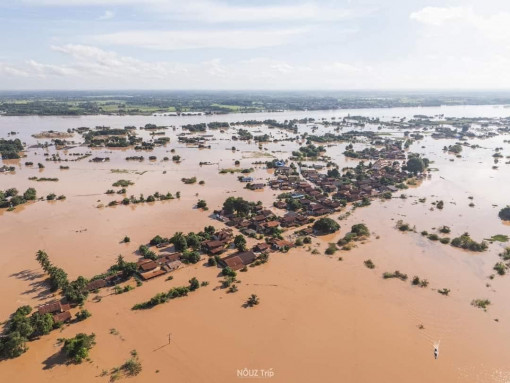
[11,192]
[82,315]
[77,348]
[209,230]
[228,272]
[325,226]
[360,230]
[193,284]
[193,241]
[21,324]
[190,257]
[415,165]
[504,213]
[293,204]
[43,260]
[212,262]
[42,324]
[179,241]
[30,194]
[253,300]
[58,278]
[240,242]
[157,240]
[237,205]
[76,291]
[13,345]
[334,173]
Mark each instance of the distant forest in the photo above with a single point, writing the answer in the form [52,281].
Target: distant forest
[50,103]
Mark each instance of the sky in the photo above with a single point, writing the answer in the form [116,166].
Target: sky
[254,44]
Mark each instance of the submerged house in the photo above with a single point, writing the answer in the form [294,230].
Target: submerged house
[255,186]
[152,274]
[57,309]
[62,317]
[214,247]
[53,308]
[148,269]
[261,247]
[96,284]
[239,260]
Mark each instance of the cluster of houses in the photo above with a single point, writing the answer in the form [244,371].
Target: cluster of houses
[381,177]
[263,221]
[379,181]
[391,151]
[317,194]
[148,268]
[312,198]
[320,194]
[219,243]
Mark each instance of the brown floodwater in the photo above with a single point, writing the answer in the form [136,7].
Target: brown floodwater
[320,319]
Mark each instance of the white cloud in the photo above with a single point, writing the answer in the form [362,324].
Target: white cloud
[341,67]
[212,12]
[282,67]
[193,39]
[107,15]
[89,67]
[218,11]
[216,68]
[44,70]
[80,3]
[97,62]
[493,26]
[439,16]
[12,71]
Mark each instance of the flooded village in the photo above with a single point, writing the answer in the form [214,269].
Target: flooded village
[311,244]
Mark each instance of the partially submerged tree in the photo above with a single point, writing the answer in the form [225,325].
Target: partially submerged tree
[253,300]
[77,348]
[504,213]
[325,226]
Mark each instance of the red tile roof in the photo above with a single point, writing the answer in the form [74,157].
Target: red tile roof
[51,307]
[239,260]
[62,317]
[152,274]
[97,284]
[148,266]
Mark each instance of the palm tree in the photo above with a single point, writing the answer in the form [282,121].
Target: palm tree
[43,259]
[40,256]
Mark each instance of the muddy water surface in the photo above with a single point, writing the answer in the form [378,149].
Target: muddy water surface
[320,319]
